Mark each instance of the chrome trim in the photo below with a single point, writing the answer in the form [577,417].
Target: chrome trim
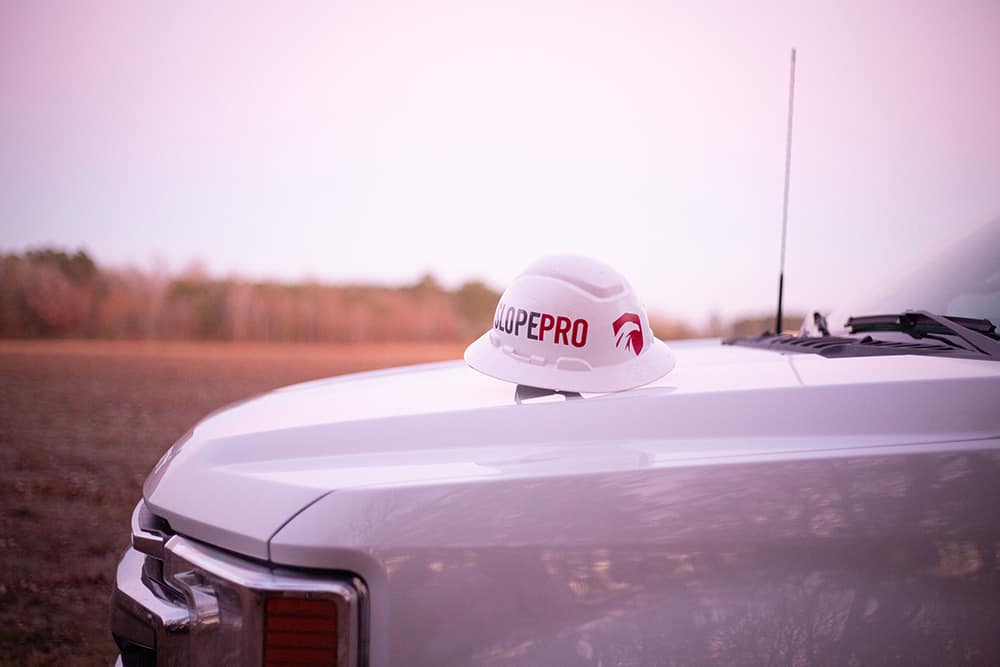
[140,617]
[149,532]
[215,584]
[207,608]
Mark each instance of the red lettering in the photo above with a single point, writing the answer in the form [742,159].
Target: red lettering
[548,322]
[562,328]
[580,333]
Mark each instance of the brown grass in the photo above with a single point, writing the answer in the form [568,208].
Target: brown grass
[81,423]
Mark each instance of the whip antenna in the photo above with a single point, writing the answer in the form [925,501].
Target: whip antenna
[788,174]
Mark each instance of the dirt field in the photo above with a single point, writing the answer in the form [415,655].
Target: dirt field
[81,423]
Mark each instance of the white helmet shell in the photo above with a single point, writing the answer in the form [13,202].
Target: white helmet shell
[571,323]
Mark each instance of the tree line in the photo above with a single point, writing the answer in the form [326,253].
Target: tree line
[51,293]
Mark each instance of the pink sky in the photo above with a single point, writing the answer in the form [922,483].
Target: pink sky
[377,141]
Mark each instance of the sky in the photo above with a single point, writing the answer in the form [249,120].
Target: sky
[378,141]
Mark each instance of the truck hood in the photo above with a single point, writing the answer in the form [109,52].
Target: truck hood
[243,473]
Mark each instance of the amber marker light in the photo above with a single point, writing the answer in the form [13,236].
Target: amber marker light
[300,632]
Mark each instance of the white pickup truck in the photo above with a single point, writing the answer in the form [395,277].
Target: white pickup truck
[831,497]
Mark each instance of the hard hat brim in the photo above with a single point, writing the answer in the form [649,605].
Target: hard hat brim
[652,364]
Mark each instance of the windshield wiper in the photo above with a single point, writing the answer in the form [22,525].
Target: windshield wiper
[937,335]
[979,335]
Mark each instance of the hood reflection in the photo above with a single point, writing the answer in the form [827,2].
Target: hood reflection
[851,561]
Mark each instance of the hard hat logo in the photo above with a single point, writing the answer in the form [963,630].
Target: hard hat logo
[632,335]
[541,331]
[564,331]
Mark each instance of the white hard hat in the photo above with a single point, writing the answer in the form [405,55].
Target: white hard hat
[571,323]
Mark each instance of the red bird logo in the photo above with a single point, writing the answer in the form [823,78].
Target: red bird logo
[632,335]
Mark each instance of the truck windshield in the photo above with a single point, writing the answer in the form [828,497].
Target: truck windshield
[963,280]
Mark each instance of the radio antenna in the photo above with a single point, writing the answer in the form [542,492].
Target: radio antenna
[788,174]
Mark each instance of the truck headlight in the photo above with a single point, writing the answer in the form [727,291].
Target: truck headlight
[180,602]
